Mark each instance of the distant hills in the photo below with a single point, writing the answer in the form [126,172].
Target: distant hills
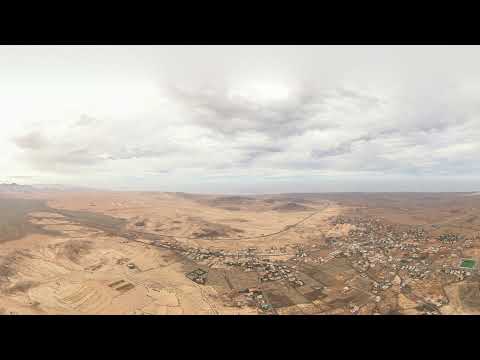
[474,194]
[14,187]
[291,206]
[59,187]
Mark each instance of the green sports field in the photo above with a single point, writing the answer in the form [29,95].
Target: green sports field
[468,263]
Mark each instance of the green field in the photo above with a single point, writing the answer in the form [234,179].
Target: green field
[468,263]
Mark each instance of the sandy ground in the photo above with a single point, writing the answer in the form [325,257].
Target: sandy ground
[88,275]
[99,252]
[168,214]
[84,270]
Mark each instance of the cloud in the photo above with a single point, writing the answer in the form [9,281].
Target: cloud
[31,141]
[328,130]
[230,114]
[274,113]
[258,129]
[85,120]
[341,149]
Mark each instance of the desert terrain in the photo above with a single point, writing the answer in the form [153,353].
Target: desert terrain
[101,252]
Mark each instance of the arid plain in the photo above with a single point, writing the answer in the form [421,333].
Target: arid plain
[99,252]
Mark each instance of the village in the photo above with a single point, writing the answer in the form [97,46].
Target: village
[353,263]
[391,257]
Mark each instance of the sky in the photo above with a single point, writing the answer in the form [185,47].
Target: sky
[242,119]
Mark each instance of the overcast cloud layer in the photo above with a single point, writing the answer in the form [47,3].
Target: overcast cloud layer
[242,119]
